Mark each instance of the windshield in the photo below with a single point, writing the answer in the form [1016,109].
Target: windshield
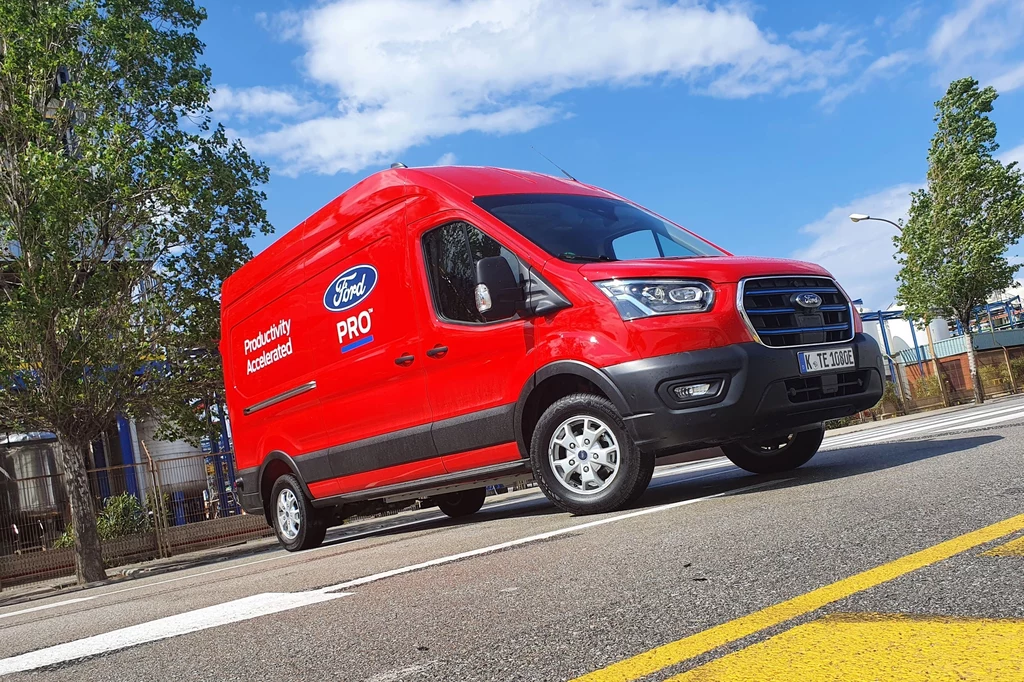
[587,228]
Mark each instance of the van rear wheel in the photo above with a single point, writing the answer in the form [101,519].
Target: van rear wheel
[297,524]
[773,455]
[462,503]
[584,459]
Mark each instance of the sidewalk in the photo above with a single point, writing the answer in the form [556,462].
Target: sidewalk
[67,585]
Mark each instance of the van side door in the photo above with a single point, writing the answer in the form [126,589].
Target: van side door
[475,369]
[371,376]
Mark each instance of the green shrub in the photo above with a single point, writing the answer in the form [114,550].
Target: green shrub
[926,387]
[839,423]
[994,374]
[122,515]
[1017,367]
[890,398]
[66,539]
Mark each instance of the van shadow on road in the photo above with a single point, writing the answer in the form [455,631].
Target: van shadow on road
[826,466]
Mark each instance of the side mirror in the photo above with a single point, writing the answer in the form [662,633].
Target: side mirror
[498,296]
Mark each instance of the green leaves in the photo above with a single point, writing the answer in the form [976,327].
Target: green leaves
[952,251]
[122,209]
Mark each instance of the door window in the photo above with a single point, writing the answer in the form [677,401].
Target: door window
[451,253]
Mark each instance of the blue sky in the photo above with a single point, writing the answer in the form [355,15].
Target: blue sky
[759,125]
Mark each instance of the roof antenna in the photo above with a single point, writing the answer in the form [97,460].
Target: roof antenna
[554,164]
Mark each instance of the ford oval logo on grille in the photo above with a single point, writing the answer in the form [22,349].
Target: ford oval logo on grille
[350,288]
[808,300]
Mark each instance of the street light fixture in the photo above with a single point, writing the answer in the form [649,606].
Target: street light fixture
[857,217]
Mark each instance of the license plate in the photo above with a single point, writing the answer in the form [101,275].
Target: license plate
[824,360]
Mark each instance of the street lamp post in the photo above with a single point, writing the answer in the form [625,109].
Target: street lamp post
[857,217]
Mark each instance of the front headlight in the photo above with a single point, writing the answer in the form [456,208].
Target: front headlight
[646,297]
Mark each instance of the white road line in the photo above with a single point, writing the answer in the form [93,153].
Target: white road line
[962,422]
[966,421]
[985,422]
[886,429]
[47,606]
[540,536]
[266,604]
[191,621]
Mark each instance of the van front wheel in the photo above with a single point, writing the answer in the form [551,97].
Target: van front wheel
[297,523]
[584,460]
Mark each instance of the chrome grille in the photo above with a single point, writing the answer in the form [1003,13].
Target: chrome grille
[778,320]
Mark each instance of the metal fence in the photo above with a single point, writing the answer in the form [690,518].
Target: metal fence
[160,508]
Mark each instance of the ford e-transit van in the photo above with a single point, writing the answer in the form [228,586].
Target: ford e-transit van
[435,331]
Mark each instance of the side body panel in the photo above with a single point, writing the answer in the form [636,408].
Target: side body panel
[368,348]
[267,352]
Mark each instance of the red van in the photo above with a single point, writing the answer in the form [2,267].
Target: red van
[434,331]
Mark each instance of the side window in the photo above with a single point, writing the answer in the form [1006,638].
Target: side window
[451,253]
[672,248]
[635,245]
[647,244]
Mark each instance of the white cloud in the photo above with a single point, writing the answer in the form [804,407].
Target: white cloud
[907,20]
[259,101]
[884,67]
[1014,154]
[1010,80]
[812,35]
[976,39]
[447,159]
[860,255]
[403,72]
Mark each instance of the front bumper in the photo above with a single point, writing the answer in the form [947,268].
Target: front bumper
[763,394]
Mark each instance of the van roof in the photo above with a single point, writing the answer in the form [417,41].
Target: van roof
[451,182]
[477,181]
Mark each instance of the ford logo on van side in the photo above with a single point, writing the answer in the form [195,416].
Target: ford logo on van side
[808,300]
[350,288]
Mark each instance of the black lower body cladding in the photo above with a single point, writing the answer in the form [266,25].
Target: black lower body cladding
[760,391]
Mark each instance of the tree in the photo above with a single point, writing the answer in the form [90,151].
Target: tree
[122,209]
[952,251]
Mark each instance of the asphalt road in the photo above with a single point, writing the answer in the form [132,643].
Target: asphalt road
[522,591]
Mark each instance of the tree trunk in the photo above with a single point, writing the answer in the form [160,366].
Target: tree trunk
[1009,370]
[71,458]
[972,362]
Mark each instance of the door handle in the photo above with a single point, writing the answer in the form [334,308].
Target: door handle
[405,360]
[437,352]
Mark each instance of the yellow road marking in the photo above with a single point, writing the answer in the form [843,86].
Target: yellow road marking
[1011,548]
[686,648]
[871,647]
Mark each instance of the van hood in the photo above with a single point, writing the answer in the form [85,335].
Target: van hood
[717,269]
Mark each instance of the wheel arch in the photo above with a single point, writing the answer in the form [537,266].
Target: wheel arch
[275,465]
[554,381]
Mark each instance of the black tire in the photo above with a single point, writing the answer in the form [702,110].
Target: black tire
[641,488]
[311,524]
[635,468]
[771,456]
[462,503]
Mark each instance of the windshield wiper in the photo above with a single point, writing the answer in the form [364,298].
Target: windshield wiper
[569,255]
